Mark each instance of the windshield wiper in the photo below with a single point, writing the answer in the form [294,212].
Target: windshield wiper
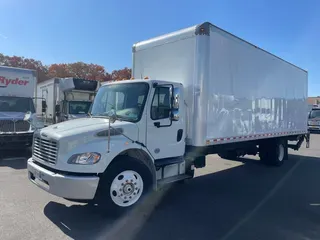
[106,115]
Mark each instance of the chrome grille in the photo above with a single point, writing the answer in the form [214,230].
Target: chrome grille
[14,126]
[6,126]
[45,150]
[22,126]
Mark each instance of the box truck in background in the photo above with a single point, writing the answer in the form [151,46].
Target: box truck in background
[208,92]
[17,92]
[314,119]
[65,98]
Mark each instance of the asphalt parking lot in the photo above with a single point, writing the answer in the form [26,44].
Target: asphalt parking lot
[227,200]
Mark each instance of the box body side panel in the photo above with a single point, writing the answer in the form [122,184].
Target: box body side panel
[251,92]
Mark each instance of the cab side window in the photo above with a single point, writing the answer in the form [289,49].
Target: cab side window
[160,107]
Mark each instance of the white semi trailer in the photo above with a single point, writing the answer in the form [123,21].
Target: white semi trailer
[63,99]
[17,92]
[208,92]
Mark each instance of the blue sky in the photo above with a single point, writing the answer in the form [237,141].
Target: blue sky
[103,31]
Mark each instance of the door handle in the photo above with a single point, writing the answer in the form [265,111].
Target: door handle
[156,124]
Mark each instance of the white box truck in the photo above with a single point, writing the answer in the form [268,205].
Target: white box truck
[17,92]
[314,119]
[65,98]
[208,92]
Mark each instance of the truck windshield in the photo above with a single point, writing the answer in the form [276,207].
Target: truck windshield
[315,113]
[16,104]
[127,99]
[76,107]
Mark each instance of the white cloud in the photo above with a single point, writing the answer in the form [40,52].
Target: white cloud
[3,36]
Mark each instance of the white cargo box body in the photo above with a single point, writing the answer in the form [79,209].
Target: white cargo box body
[48,91]
[234,90]
[17,82]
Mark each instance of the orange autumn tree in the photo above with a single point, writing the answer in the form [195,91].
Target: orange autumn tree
[78,70]
[83,70]
[121,74]
[21,62]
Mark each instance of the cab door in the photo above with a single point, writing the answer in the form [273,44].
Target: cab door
[166,124]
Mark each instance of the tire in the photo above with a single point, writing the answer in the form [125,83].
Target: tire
[229,155]
[273,152]
[134,179]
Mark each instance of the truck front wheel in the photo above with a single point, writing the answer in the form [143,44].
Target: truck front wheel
[123,184]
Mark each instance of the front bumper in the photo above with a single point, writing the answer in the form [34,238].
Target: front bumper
[65,186]
[314,128]
[15,140]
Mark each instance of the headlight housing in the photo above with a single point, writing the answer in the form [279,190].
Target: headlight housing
[88,158]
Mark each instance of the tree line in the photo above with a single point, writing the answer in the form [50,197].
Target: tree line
[82,70]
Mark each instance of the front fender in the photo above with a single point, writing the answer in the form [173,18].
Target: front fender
[118,145]
[126,147]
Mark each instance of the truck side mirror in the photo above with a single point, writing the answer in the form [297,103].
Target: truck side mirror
[57,108]
[175,104]
[27,116]
[176,99]
[44,106]
[90,109]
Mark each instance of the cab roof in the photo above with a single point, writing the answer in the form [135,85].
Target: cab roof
[149,81]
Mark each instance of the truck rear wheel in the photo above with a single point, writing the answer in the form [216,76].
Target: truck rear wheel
[273,152]
[123,184]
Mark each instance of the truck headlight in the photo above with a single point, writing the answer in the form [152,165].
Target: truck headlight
[85,158]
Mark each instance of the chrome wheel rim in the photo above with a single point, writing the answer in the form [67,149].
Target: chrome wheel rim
[126,188]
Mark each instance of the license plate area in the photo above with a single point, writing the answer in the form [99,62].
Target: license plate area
[37,177]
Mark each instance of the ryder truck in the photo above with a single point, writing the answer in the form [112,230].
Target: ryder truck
[17,91]
[208,92]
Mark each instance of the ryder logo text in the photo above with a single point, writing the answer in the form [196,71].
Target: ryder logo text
[4,82]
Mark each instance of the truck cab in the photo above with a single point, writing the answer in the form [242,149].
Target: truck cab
[314,120]
[15,131]
[73,109]
[64,99]
[17,91]
[138,122]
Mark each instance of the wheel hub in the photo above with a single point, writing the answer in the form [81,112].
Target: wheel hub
[126,188]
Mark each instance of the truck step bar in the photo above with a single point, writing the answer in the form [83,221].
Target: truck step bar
[167,161]
[173,179]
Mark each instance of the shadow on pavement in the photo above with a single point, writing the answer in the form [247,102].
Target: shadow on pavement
[16,159]
[208,206]
[78,221]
